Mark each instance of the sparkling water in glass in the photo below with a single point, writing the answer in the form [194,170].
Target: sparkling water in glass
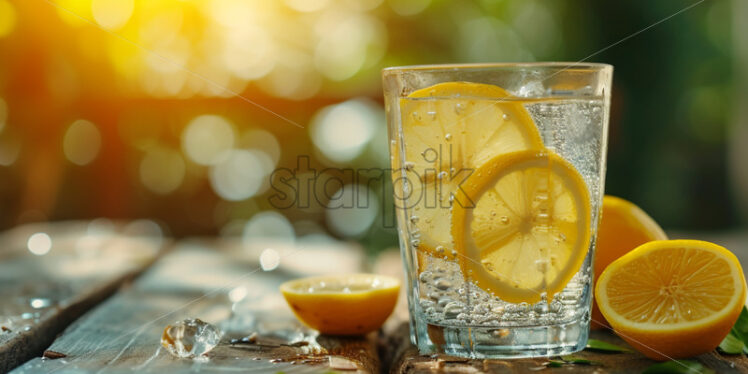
[433,136]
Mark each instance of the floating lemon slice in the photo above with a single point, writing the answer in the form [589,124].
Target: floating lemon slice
[521,225]
[458,125]
[352,304]
[673,298]
[450,129]
[623,227]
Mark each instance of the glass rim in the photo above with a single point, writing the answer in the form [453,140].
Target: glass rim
[588,66]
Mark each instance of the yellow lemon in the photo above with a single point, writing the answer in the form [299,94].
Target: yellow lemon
[351,304]
[672,299]
[449,130]
[521,225]
[623,227]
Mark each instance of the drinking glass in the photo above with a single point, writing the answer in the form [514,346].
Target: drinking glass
[498,175]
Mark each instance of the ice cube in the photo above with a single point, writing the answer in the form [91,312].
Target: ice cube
[533,88]
[190,338]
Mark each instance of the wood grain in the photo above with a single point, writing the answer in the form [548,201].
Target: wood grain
[197,280]
[43,294]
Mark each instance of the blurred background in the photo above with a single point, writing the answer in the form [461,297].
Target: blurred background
[129,109]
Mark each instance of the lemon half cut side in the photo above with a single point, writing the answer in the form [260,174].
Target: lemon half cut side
[350,304]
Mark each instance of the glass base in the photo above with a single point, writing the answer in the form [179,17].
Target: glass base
[501,342]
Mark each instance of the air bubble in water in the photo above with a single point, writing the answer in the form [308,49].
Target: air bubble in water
[425,276]
[448,137]
[452,309]
[443,284]
[442,302]
[504,220]
[487,264]
[459,107]
[541,308]
[425,303]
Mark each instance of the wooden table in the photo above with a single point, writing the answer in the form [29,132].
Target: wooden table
[220,281]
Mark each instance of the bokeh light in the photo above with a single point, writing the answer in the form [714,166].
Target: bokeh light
[249,52]
[143,228]
[269,259]
[352,210]
[39,243]
[10,148]
[536,26]
[263,141]
[207,138]
[237,294]
[239,176]
[7,18]
[340,132]
[169,137]
[479,37]
[409,7]
[82,142]
[38,302]
[345,43]
[162,170]
[269,226]
[112,14]
[307,5]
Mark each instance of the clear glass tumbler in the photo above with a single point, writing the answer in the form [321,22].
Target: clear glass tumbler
[498,174]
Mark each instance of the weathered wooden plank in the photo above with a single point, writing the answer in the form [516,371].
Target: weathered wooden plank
[403,357]
[224,287]
[42,294]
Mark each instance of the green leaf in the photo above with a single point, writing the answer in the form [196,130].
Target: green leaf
[731,344]
[571,359]
[599,345]
[554,364]
[740,328]
[678,367]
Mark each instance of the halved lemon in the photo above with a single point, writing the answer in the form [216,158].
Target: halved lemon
[351,304]
[449,130]
[623,227]
[673,298]
[521,225]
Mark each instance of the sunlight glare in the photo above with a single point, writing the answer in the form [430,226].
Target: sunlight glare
[112,14]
